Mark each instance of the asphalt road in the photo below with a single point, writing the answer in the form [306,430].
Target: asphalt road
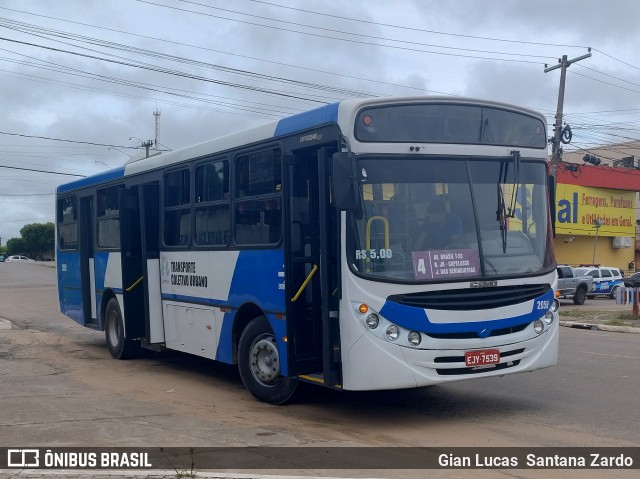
[59,387]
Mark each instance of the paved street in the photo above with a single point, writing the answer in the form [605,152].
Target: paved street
[60,388]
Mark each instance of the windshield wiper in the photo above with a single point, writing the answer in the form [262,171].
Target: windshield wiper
[503,212]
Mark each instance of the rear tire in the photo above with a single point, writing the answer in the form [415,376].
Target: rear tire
[119,346]
[259,364]
[579,296]
[614,292]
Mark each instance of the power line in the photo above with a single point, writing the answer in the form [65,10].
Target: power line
[288,65]
[27,194]
[166,71]
[60,139]
[42,171]
[350,40]
[459,35]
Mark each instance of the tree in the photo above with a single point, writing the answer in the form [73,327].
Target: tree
[38,239]
[16,246]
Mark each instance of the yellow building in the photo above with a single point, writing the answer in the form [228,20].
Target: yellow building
[596,210]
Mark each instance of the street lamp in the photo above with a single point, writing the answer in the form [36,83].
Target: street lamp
[596,224]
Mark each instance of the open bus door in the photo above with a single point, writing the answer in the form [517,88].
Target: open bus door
[87,273]
[139,231]
[311,244]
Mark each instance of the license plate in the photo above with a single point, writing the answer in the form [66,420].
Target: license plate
[482,357]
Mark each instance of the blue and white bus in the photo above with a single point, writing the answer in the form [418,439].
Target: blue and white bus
[299,250]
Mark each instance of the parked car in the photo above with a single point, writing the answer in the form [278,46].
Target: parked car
[19,258]
[632,281]
[572,285]
[606,280]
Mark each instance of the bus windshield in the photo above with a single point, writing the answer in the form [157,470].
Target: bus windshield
[443,219]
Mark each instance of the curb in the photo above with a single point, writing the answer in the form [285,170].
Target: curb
[600,327]
[5,324]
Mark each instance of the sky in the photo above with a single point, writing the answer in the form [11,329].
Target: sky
[80,80]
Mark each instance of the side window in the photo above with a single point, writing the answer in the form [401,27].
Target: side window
[606,273]
[67,218]
[258,203]
[177,208]
[212,212]
[594,273]
[108,218]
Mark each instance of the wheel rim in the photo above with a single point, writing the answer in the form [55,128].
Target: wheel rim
[265,360]
[113,324]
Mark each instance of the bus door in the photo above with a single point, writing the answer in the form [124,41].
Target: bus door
[310,272]
[150,224]
[139,231]
[132,267]
[87,273]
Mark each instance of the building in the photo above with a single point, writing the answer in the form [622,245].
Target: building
[596,207]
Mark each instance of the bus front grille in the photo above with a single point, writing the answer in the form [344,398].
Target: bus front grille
[474,334]
[469,299]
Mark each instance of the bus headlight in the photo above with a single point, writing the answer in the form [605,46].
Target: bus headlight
[555,305]
[538,326]
[372,321]
[393,332]
[548,317]
[414,338]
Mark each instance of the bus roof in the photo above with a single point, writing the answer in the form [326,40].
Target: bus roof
[326,114]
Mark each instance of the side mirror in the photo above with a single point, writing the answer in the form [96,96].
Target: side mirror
[344,183]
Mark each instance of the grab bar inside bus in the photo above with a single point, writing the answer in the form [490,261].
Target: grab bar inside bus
[306,282]
[134,284]
[385,221]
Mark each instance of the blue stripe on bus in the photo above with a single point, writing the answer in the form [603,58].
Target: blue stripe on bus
[93,180]
[416,319]
[256,279]
[308,119]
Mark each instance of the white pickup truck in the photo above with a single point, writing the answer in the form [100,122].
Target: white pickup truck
[570,285]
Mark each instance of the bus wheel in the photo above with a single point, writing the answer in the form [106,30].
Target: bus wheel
[259,364]
[119,346]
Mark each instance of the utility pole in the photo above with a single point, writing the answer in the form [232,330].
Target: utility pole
[147,144]
[556,152]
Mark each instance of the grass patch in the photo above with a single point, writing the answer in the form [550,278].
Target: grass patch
[626,316]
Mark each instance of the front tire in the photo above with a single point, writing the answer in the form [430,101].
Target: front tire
[259,364]
[614,292]
[119,346]
[579,296]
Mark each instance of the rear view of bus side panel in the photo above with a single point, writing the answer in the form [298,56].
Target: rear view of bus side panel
[70,286]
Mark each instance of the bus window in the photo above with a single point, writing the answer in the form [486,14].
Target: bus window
[108,218]
[67,223]
[259,220]
[212,215]
[177,208]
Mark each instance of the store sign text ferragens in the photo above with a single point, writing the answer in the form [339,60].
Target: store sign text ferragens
[578,207]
